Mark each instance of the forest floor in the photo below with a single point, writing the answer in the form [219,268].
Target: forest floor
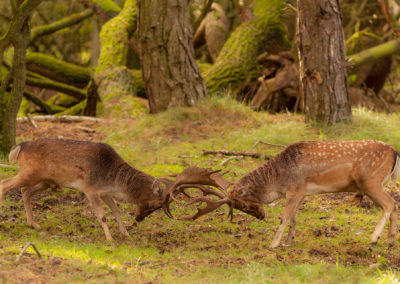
[331,243]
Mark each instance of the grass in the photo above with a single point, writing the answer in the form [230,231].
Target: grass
[331,244]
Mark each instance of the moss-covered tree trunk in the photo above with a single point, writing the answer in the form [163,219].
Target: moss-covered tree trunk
[170,73]
[237,61]
[18,36]
[322,57]
[115,83]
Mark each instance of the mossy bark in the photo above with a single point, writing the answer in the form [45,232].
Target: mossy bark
[18,35]
[105,9]
[58,70]
[57,86]
[237,61]
[61,24]
[114,81]
[170,73]
[374,53]
[322,61]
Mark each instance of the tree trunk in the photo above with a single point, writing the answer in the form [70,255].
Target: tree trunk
[323,74]
[170,73]
[237,61]
[18,35]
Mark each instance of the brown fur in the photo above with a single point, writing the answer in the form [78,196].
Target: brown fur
[94,168]
[301,169]
[308,168]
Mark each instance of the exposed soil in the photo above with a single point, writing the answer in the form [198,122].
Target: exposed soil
[78,130]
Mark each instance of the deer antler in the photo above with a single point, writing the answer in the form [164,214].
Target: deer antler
[195,177]
[211,206]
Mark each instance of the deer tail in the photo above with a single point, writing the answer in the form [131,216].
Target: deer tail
[396,168]
[14,153]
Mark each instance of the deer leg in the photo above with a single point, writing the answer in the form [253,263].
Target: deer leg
[293,200]
[393,229]
[27,193]
[6,185]
[117,214]
[292,225]
[384,200]
[100,213]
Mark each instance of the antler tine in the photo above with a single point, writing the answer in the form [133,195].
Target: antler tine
[211,206]
[207,190]
[204,189]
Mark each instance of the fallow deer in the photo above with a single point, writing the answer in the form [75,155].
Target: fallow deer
[93,168]
[307,168]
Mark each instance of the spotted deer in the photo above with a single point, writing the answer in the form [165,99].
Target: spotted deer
[93,168]
[302,169]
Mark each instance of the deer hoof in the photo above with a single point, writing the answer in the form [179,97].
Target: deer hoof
[373,244]
[274,245]
[35,225]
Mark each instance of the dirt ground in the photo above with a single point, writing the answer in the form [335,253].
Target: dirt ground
[78,130]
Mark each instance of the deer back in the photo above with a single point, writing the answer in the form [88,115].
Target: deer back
[85,166]
[321,167]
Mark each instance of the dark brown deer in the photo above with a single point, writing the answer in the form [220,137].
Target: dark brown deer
[93,168]
[308,168]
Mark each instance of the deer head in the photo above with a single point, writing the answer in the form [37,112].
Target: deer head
[149,203]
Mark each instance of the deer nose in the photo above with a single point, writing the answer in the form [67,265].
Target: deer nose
[139,218]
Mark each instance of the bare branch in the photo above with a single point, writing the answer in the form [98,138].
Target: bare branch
[267,143]
[237,153]
[32,121]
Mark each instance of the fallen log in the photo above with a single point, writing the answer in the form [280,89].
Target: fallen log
[61,118]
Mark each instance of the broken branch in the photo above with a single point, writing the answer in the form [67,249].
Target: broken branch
[25,248]
[237,153]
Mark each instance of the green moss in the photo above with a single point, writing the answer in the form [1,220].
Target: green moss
[139,85]
[24,108]
[108,6]
[236,62]
[72,73]
[75,110]
[114,38]
[62,100]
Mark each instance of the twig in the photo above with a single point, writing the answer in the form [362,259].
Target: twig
[25,248]
[290,7]
[205,10]
[266,143]
[61,118]
[86,129]
[227,160]
[237,153]
[31,120]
